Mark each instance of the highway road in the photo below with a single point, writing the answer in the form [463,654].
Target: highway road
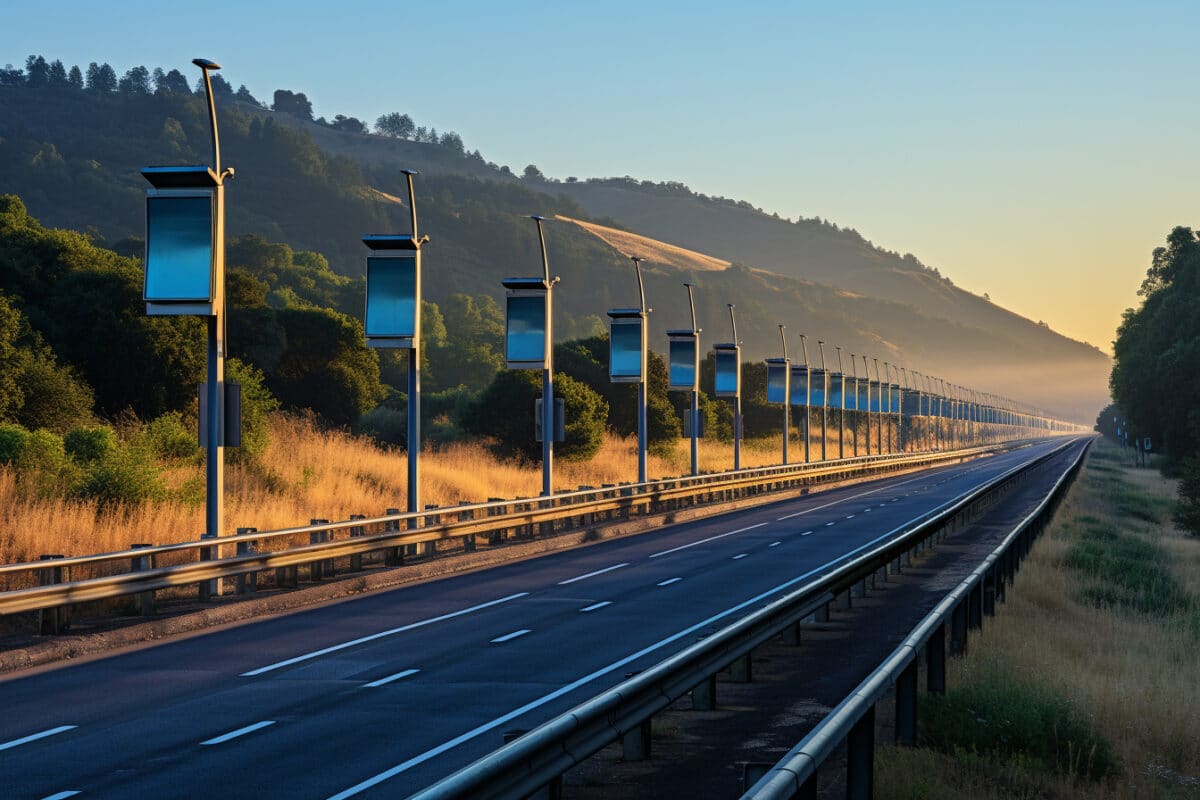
[379,695]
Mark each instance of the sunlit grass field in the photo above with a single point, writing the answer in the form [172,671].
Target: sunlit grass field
[1105,616]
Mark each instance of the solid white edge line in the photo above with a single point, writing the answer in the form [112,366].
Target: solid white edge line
[225,737]
[510,636]
[592,574]
[596,606]
[504,719]
[397,676]
[33,737]
[62,795]
[364,639]
[669,581]
[705,541]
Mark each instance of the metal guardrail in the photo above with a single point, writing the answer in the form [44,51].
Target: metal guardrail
[139,571]
[853,720]
[539,758]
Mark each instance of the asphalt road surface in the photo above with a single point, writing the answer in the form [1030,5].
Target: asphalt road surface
[382,694]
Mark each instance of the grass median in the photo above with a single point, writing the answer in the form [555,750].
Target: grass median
[1087,682]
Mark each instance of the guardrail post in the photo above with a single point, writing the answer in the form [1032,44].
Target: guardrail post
[145,600]
[704,694]
[52,621]
[247,582]
[859,589]
[635,744]
[906,705]
[975,607]
[860,758]
[495,537]
[842,601]
[392,556]
[317,569]
[989,591]
[958,630]
[822,613]
[881,576]
[742,669]
[210,588]
[935,661]
[355,532]
[791,634]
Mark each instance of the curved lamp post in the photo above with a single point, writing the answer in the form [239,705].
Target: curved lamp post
[837,399]
[393,319]
[727,382]
[684,372]
[627,357]
[529,344]
[852,400]
[779,375]
[800,393]
[185,276]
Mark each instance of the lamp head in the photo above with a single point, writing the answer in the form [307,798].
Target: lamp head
[205,64]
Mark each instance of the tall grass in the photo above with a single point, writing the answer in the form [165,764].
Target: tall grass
[307,472]
[1127,663]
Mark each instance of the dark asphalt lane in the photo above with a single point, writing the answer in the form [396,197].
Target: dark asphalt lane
[382,694]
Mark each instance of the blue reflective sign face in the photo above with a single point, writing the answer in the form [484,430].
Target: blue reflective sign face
[179,252]
[864,390]
[851,392]
[799,387]
[816,389]
[391,297]
[835,391]
[777,383]
[875,397]
[683,363]
[625,350]
[725,381]
[525,330]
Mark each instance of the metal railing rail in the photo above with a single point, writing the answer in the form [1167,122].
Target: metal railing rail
[538,758]
[794,775]
[500,516]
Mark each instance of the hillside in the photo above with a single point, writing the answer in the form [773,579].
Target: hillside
[74,156]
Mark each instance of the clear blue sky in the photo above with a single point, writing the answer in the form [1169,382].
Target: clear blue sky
[1035,151]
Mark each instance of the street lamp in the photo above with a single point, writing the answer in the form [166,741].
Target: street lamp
[877,406]
[837,399]
[727,382]
[779,375]
[818,385]
[852,399]
[392,318]
[627,357]
[185,276]
[684,372]
[799,392]
[529,344]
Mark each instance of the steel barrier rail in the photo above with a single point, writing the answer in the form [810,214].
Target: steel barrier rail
[539,758]
[512,514]
[794,775]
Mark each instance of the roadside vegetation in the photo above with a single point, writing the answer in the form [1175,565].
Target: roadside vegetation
[1085,683]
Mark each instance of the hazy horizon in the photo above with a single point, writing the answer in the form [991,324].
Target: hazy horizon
[1017,150]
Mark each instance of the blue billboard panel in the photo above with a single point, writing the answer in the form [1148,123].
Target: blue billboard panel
[727,379]
[625,351]
[391,297]
[525,331]
[179,249]
[682,363]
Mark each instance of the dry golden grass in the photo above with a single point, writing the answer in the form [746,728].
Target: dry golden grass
[1134,676]
[654,251]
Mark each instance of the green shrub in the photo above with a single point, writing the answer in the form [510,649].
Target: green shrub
[1187,509]
[1127,572]
[88,444]
[126,476]
[257,404]
[385,425]
[13,439]
[999,718]
[170,438]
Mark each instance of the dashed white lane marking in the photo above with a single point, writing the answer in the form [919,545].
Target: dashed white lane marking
[774,544]
[740,555]
[807,533]
[508,637]
[593,574]
[33,737]
[225,737]
[705,541]
[364,639]
[390,678]
[827,524]
[850,516]
[595,606]
[62,795]
[852,497]
[669,581]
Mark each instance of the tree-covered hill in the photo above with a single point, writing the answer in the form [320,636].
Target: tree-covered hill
[72,150]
